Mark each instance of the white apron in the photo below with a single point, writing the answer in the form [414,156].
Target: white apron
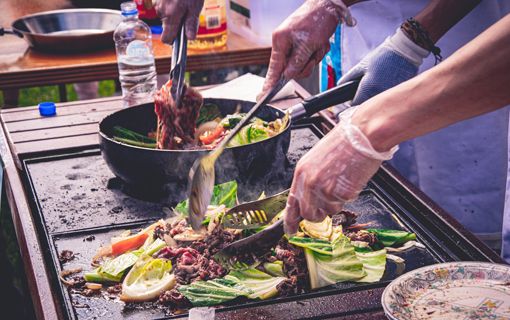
[463,167]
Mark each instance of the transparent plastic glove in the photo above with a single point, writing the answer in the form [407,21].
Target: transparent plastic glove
[302,40]
[396,60]
[333,172]
[172,12]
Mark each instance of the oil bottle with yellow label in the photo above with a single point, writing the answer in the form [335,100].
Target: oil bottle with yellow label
[212,28]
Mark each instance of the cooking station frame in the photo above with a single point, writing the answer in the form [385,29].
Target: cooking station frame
[38,275]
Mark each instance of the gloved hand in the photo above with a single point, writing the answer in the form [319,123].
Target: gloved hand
[302,40]
[396,60]
[173,12]
[333,172]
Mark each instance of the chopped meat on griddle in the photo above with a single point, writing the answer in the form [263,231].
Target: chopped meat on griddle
[190,265]
[344,218]
[176,124]
[66,256]
[175,298]
[362,235]
[294,264]
[214,242]
[287,287]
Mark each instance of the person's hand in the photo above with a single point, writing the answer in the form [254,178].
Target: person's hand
[396,60]
[333,172]
[302,40]
[173,12]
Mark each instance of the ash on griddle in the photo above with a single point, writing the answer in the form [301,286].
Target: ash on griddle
[65,256]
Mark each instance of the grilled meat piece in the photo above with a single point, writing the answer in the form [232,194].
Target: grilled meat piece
[294,263]
[362,235]
[175,298]
[214,242]
[176,124]
[65,256]
[344,218]
[190,265]
[287,287]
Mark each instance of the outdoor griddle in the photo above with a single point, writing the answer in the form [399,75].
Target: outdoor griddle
[63,196]
[79,205]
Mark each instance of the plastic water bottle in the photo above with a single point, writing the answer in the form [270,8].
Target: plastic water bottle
[133,43]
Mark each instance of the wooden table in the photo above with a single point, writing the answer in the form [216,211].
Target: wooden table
[21,66]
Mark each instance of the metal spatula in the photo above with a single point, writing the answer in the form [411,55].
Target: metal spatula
[201,175]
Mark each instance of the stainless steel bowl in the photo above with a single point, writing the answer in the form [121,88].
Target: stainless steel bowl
[69,30]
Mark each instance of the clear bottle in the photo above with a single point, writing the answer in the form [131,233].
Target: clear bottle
[135,58]
[212,27]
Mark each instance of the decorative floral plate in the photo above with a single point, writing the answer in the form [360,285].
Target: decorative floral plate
[455,290]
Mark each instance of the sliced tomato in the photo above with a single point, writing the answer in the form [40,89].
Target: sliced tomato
[134,241]
[210,136]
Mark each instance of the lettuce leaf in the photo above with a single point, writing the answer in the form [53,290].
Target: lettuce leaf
[208,112]
[262,285]
[256,133]
[212,292]
[390,238]
[148,278]
[341,264]
[374,264]
[315,245]
[274,268]
[114,269]
[225,193]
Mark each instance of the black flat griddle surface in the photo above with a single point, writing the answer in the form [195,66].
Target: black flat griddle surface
[76,197]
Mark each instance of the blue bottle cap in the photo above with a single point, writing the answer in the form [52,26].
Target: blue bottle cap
[157,29]
[47,109]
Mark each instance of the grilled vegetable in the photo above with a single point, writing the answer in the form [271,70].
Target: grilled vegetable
[113,270]
[374,264]
[341,264]
[318,230]
[212,292]
[208,137]
[130,137]
[133,242]
[262,285]
[208,112]
[390,238]
[223,194]
[147,280]
[274,268]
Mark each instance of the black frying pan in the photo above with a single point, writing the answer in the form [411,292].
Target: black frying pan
[68,30]
[151,169]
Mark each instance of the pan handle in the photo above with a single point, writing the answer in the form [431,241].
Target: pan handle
[323,100]
[10,31]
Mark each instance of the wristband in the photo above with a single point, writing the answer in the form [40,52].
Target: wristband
[414,30]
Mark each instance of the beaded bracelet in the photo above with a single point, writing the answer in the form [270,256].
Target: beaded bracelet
[420,36]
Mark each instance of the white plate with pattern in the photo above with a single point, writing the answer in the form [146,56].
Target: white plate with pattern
[454,290]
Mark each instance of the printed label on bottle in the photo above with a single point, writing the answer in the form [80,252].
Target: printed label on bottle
[138,49]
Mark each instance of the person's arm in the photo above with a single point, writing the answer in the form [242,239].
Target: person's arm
[399,57]
[439,16]
[473,81]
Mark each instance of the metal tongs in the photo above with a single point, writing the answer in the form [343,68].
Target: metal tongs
[178,70]
[201,175]
[252,215]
